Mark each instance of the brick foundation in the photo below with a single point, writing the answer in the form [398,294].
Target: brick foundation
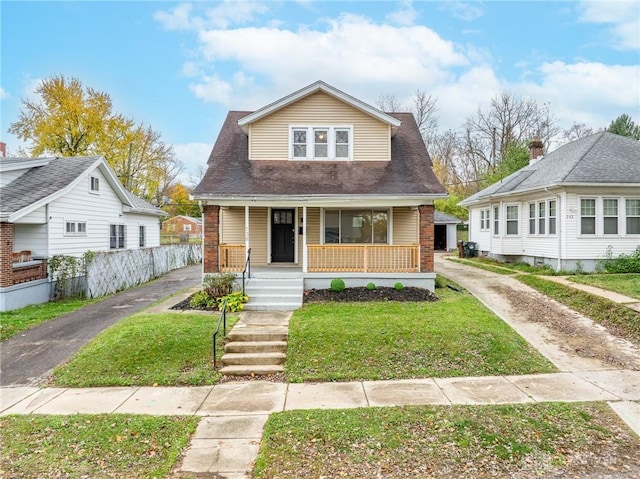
[6,254]
[211,259]
[426,238]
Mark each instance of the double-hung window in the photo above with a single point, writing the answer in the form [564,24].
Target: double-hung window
[485,223]
[587,216]
[116,236]
[321,143]
[610,214]
[552,217]
[75,228]
[496,220]
[94,184]
[541,217]
[356,226]
[532,218]
[632,210]
[512,219]
[142,236]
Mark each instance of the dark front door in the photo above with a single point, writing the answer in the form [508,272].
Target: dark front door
[283,237]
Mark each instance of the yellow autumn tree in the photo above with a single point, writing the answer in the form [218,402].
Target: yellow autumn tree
[68,119]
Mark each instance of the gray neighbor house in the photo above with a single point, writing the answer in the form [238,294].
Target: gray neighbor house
[567,209]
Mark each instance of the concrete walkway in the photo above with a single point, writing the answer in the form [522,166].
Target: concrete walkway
[627,301]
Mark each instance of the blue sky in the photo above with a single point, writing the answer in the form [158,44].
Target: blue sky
[180,66]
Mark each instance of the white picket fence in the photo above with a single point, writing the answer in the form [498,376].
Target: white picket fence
[113,271]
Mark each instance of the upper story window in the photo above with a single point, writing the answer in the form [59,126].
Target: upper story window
[321,143]
[94,184]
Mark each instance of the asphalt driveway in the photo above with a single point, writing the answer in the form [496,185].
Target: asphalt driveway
[29,357]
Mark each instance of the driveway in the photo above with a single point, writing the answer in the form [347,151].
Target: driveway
[28,358]
[568,339]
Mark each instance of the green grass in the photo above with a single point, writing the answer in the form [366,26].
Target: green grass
[455,336]
[168,349]
[80,446]
[524,440]
[619,319]
[507,268]
[18,320]
[627,284]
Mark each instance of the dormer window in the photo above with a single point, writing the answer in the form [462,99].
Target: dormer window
[321,143]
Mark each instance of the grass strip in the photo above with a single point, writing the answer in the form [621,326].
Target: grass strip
[80,446]
[18,320]
[167,349]
[480,265]
[524,440]
[627,284]
[619,319]
[455,336]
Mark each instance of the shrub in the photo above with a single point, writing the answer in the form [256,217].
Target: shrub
[337,285]
[371,286]
[218,285]
[398,286]
[625,263]
[440,282]
[201,300]
[235,301]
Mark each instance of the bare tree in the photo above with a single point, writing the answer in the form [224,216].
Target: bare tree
[424,111]
[576,131]
[389,103]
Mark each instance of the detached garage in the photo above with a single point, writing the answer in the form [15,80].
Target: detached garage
[444,235]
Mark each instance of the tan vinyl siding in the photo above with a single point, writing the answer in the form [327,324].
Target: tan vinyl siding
[269,137]
[232,229]
[405,226]
[258,218]
[313,228]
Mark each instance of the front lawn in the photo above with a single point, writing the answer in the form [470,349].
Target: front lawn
[627,284]
[455,336]
[18,320]
[81,446]
[516,441]
[168,349]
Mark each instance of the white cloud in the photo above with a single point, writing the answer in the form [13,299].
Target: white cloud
[3,93]
[623,16]
[222,15]
[405,15]
[467,11]
[591,93]
[179,18]
[192,156]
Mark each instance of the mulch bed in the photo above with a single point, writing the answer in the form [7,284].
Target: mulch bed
[359,295]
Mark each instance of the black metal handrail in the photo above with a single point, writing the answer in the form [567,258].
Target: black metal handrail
[222,319]
[247,269]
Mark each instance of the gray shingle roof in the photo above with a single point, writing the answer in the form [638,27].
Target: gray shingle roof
[232,174]
[602,158]
[440,217]
[40,182]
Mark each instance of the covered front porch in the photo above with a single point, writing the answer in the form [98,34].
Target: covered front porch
[359,242]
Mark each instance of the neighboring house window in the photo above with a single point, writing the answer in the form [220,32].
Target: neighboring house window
[552,217]
[186,227]
[142,236]
[496,220]
[532,218]
[485,223]
[588,216]
[610,213]
[116,236]
[633,216]
[94,184]
[512,220]
[75,228]
[541,217]
[321,142]
[356,226]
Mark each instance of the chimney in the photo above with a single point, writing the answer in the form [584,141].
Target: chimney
[536,148]
[3,149]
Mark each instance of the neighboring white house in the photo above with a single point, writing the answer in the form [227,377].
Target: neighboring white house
[63,206]
[566,209]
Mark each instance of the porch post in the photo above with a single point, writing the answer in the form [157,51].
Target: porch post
[305,258]
[426,238]
[211,260]
[247,243]
[6,254]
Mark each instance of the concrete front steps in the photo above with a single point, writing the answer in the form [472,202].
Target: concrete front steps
[257,344]
[274,292]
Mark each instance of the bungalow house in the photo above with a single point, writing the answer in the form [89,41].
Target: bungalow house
[182,226]
[567,209]
[63,206]
[319,185]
